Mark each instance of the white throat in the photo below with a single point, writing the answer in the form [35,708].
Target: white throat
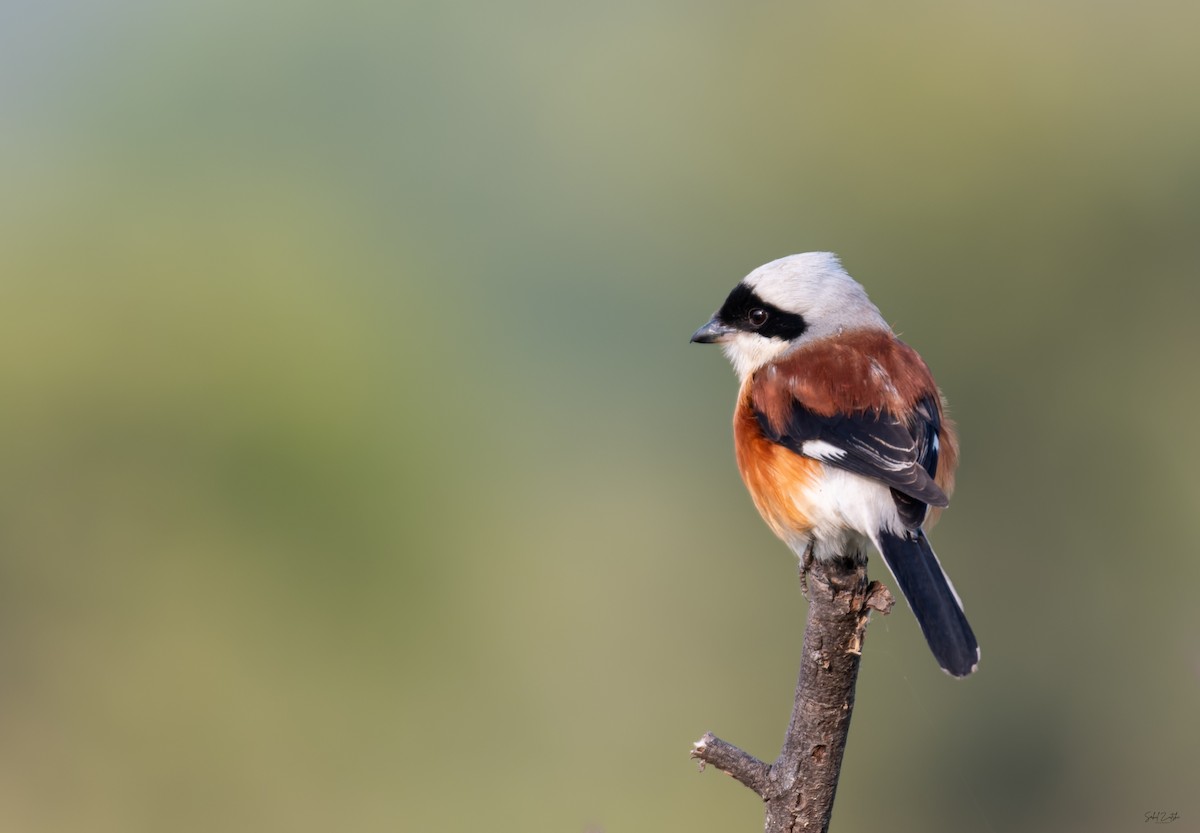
[747,352]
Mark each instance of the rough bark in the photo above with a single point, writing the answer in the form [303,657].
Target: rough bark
[798,789]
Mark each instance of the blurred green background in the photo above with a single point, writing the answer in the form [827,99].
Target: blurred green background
[357,473]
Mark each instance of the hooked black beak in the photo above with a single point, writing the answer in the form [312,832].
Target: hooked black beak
[712,332]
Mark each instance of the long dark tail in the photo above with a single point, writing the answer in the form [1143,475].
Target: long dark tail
[932,599]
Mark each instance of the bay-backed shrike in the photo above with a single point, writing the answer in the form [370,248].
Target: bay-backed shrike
[840,432]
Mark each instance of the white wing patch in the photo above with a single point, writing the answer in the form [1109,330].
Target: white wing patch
[821,450]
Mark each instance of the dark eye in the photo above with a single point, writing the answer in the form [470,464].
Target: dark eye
[757,317]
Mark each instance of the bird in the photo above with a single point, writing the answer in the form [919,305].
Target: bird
[841,434]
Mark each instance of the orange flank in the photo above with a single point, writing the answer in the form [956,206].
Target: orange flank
[773,475]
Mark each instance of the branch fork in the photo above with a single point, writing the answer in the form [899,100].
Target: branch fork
[798,788]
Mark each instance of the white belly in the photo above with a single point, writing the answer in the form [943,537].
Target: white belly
[845,511]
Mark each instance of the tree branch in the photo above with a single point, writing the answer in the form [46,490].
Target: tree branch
[726,757]
[799,787]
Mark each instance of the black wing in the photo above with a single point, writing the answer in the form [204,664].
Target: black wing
[924,425]
[876,444]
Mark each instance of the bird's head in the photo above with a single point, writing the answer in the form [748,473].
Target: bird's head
[785,304]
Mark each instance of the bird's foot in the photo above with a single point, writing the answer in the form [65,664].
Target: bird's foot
[806,562]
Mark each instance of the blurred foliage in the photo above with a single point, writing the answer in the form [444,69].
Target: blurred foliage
[357,473]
